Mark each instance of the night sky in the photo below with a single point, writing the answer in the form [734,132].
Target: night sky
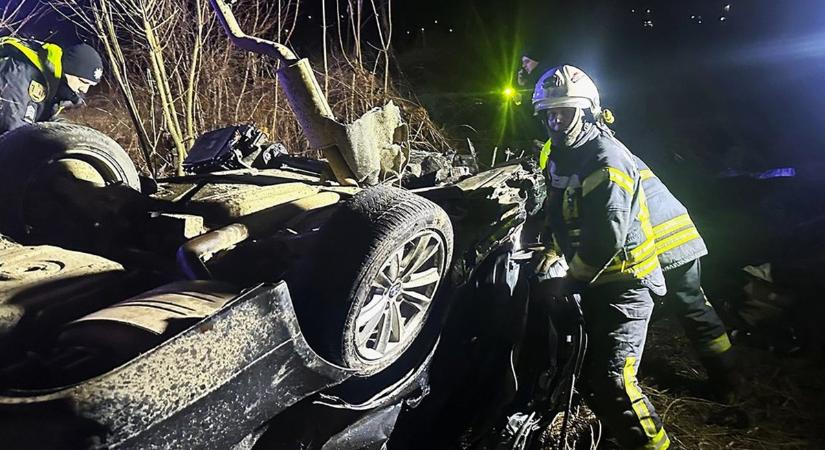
[741,73]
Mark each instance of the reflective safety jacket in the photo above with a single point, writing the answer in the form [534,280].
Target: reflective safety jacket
[30,76]
[677,240]
[599,213]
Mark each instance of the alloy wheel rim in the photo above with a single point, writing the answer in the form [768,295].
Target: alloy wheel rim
[400,296]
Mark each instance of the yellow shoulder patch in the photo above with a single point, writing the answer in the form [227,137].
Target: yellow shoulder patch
[37,91]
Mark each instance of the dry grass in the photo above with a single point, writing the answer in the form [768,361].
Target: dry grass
[779,408]
[781,398]
[230,97]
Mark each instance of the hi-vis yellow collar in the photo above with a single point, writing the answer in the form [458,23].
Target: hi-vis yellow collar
[544,155]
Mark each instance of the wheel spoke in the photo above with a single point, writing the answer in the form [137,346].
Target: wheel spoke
[421,279]
[419,247]
[394,266]
[396,321]
[422,257]
[363,336]
[384,332]
[416,299]
[369,311]
[382,281]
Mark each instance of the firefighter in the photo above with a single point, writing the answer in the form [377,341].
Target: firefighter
[679,247]
[39,79]
[601,223]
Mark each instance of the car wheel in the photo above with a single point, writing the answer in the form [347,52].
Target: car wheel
[366,292]
[31,154]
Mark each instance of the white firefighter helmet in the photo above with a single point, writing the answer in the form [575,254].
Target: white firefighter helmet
[566,87]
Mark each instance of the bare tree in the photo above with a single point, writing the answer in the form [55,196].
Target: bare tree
[15,15]
[179,75]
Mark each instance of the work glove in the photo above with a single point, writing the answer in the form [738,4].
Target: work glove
[544,259]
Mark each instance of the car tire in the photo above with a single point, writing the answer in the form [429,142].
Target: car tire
[365,293]
[25,152]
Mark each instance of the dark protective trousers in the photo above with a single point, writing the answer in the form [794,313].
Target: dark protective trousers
[616,319]
[686,299]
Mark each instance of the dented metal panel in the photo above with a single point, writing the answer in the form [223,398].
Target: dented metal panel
[207,387]
[219,202]
[156,309]
[36,278]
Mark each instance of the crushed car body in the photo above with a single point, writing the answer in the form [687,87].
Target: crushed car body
[197,311]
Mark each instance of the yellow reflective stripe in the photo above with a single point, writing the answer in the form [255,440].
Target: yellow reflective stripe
[646,268]
[593,181]
[580,270]
[613,174]
[638,255]
[659,442]
[671,225]
[644,214]
[636,271]
[54,54]
[646,174]
[30,54]
[544,155]
[643,251]
[621,178]
[676,240]
[575,232]
[718,345]
[637,400]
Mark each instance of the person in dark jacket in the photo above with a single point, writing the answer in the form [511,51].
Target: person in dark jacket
[39,79]
[680,248]
[600,220]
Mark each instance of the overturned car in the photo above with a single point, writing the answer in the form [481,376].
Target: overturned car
[190,312]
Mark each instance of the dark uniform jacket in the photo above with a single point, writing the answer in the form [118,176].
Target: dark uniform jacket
[599,213]
[677,239]
[30,76]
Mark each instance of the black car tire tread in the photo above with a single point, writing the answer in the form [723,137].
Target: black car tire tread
[24,150]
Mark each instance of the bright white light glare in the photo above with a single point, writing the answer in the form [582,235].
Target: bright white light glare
[797,48]
[726,8]
[723,18]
